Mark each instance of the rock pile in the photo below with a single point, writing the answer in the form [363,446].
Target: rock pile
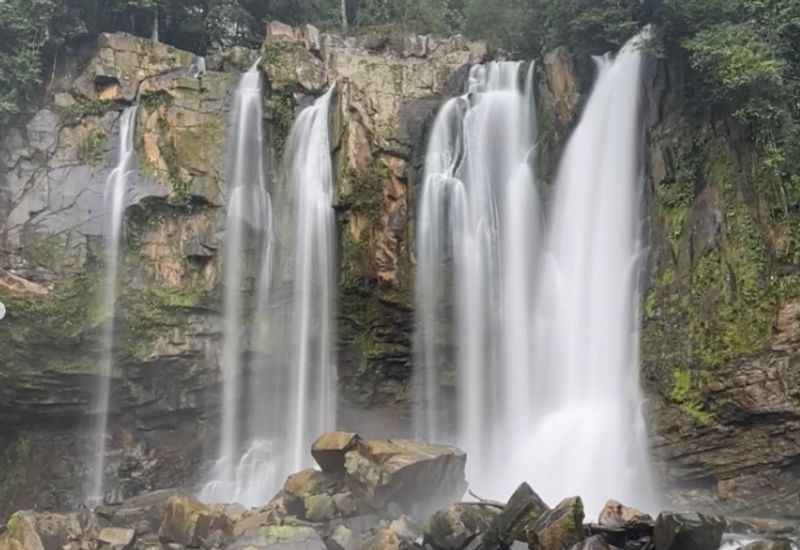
[376,495]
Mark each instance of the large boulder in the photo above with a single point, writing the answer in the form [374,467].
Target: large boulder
[456,526]
[189,522]
[615,514]
[560,528]
[688,531]
[522,511]
[417,477]
[29,530]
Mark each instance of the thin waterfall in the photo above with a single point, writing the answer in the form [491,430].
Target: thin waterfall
[588,437]
[312,378]
[478,233]
[115,192]
[239,476]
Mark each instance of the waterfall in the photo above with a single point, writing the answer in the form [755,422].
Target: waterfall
[248,225]
[544,324]
[478,233]
[115,192]
[588,437]
[311,410]
[288,397]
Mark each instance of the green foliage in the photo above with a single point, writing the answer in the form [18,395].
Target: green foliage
[24,28]
[91,150]
[687,394]
[423,16]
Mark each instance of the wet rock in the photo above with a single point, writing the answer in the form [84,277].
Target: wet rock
[522,511]
[142,513]
[29,530]
[456,526]
[562,85]
[559,528]
[342,539]
[688,531]
[116,537]
[330,449]
[592,543]
[320,508]
[285,537]
[418,477]
[190,522]
[615,514]
[783,544]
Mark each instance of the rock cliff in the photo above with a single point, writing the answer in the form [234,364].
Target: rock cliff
[720,297]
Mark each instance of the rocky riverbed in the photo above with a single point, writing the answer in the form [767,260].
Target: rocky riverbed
[382,495]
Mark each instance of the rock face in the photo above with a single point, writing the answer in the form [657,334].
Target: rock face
[53,171]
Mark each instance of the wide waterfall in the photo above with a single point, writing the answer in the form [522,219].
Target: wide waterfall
[241,477]
[543,324]
[116,190]
[478,233]
[588,436]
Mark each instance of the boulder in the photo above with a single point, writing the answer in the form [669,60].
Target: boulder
[116,537]
[688,531]
[142,513]
[189,522]
[615,514]
[456,526]
[595,542]
[21,534]
[558,529]
[342,538]
[320,508]
[285,537]
[522,510]
[417,477]
[330,449]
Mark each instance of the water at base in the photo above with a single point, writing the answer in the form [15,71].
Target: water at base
[114,201]
[242,477]
[545,329]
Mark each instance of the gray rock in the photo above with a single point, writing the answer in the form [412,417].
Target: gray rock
[688,531]
[116,537]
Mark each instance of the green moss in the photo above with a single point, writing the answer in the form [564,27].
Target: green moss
[92,149]
[281,111]
[74,114]
[687,394]
[14,477]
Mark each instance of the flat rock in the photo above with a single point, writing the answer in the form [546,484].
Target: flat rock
[116,537]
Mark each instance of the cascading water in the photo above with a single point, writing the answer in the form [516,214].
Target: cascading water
[588,437]
[479,215]
[290,392]
[309,178]
[248,223]
[545,330]
[115,192]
